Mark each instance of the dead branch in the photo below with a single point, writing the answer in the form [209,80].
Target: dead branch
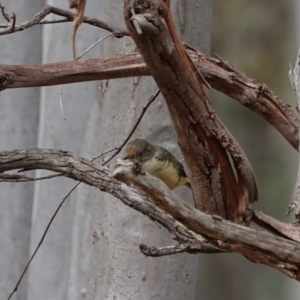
[23,178]
[220,75]
[183,235]
[4,14]
[115,66]
[251,243]
[41,241]
[201,135]
[9,18]
[174,249]
[79,5]
[47,10]
[119,149]
[177,216]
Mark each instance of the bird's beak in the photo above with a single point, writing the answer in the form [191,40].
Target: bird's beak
[126,157]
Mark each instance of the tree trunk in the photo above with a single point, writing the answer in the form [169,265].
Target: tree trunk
[119,270]
[60,269]
[18,129]
[73,251]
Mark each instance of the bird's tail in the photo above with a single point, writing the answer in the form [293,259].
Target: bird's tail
[187,183]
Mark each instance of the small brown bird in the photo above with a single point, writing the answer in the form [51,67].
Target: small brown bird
[158,162]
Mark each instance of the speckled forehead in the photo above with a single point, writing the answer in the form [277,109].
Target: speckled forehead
[130,150]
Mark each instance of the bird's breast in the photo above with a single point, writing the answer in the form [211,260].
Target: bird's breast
[164,170]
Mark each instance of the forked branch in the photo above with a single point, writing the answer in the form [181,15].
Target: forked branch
[220,75]
[185,222]
[204,141]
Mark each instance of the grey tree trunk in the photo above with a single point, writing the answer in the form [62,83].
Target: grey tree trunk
[18,129]
[92,248]
[119,270]
[68,265]
[60,270]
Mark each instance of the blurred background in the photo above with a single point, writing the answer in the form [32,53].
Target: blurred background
[261,39]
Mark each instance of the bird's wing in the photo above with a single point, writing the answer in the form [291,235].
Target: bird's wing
[164,155]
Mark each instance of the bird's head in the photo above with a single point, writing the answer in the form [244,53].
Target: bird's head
[139,149]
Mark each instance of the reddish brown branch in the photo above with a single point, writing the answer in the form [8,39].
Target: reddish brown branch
[294,76]
[201,135]
[221,76]
[115,66]
[79,5]
[163,197]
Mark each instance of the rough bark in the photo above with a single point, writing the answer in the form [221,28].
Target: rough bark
[219,74]
[258,245]
[201,135]
[134,275]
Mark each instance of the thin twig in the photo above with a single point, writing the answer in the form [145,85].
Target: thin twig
[41,241]
[13,23]
[9,18]
[4,14]
[45,22]
[151,100]
[23,178]
[47,10]
[54,21]
[93,45]
[179,248]
[103,153]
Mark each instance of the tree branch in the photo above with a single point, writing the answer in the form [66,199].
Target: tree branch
[47,10]
[80,169]
[220,75]
[175,249]
[219,186]
[23,178]
[187,223]
[258,245]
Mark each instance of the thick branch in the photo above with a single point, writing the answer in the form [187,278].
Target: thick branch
[110,67]
[258,245]
[201,135]
[80,169]
[221,76]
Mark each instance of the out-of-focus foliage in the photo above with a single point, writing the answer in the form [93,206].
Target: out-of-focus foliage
[259,38]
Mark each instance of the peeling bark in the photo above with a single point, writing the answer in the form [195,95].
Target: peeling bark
[204,140]
[219,74]
[198,231]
